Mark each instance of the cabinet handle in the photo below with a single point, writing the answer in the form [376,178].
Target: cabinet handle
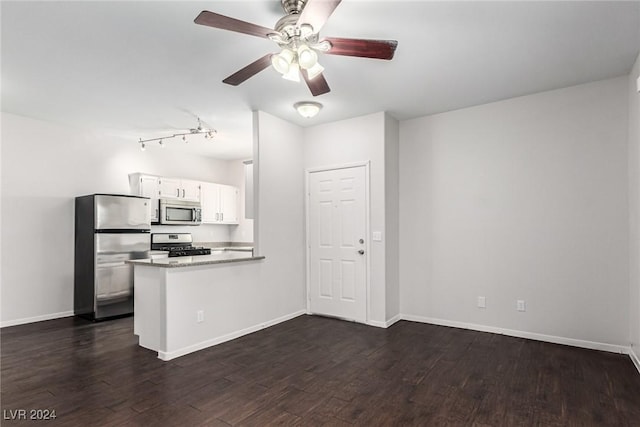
[183,193]
[222,216]
[178,190]
[157,214]
[217,216]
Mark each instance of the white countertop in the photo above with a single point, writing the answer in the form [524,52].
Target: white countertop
[187,261]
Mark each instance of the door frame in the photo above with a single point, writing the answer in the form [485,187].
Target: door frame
[307,175]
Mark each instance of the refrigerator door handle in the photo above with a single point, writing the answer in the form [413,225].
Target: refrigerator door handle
[111,264]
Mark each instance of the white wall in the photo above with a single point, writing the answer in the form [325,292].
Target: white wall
[358,140]
[520,199]
[634,208]
[279,180]
[392,211]
[44,166]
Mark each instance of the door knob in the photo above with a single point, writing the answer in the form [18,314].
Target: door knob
[361,241]
[361,251]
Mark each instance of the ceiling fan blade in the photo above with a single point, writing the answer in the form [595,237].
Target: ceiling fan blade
[378,49]
[215,20]
[318,85]
[249,71]
[316,13]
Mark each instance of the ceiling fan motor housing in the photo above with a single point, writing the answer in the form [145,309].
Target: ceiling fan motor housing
[293,6]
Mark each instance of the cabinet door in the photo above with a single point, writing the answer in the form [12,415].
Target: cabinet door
[210,201]
[229,204]
[170,188]
[149,187]
[190,190]
[146,186]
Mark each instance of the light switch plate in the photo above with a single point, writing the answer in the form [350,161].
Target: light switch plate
[638,83]
[377,236]
[482,302]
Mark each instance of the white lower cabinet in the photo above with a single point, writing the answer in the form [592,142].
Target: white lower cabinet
[219,203]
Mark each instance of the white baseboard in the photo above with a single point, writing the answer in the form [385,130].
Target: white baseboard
[394,319]
[376,323]
[34,319]
[386,324]
[634,358]
[228,337]
[521,334]
[379,324]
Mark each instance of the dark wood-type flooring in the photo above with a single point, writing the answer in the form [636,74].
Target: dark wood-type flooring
[313,371]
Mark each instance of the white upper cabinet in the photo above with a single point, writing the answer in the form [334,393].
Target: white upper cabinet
[176,188]
[219,204]
[228,204]
[170,188]
[147,186]
[191,190]
[210,203]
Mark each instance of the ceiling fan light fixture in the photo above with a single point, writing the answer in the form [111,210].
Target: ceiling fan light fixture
[307,57]
[282,61]
[276,37]
[323,46]
[306,30]
[293,74]
[308,109]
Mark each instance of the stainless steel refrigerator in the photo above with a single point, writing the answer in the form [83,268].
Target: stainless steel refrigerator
[109,229]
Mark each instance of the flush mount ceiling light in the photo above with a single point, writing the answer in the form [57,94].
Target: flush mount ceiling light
[209,133]
[307,109]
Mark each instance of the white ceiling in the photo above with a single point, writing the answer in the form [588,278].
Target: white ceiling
[143,69]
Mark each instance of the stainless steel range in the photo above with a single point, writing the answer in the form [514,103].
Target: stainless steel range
[178,244]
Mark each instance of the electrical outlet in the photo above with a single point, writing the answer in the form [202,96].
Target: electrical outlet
[482,302]
[520,306]
[200,316]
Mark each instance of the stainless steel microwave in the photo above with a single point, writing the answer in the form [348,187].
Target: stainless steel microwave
[180,212]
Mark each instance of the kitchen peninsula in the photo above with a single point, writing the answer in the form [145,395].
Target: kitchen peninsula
[185,304]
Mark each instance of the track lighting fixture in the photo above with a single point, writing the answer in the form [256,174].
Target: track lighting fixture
[209,133]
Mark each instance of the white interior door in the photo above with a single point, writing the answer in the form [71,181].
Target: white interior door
[336,233]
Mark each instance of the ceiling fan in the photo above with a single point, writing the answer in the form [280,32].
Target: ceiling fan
[297,35]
